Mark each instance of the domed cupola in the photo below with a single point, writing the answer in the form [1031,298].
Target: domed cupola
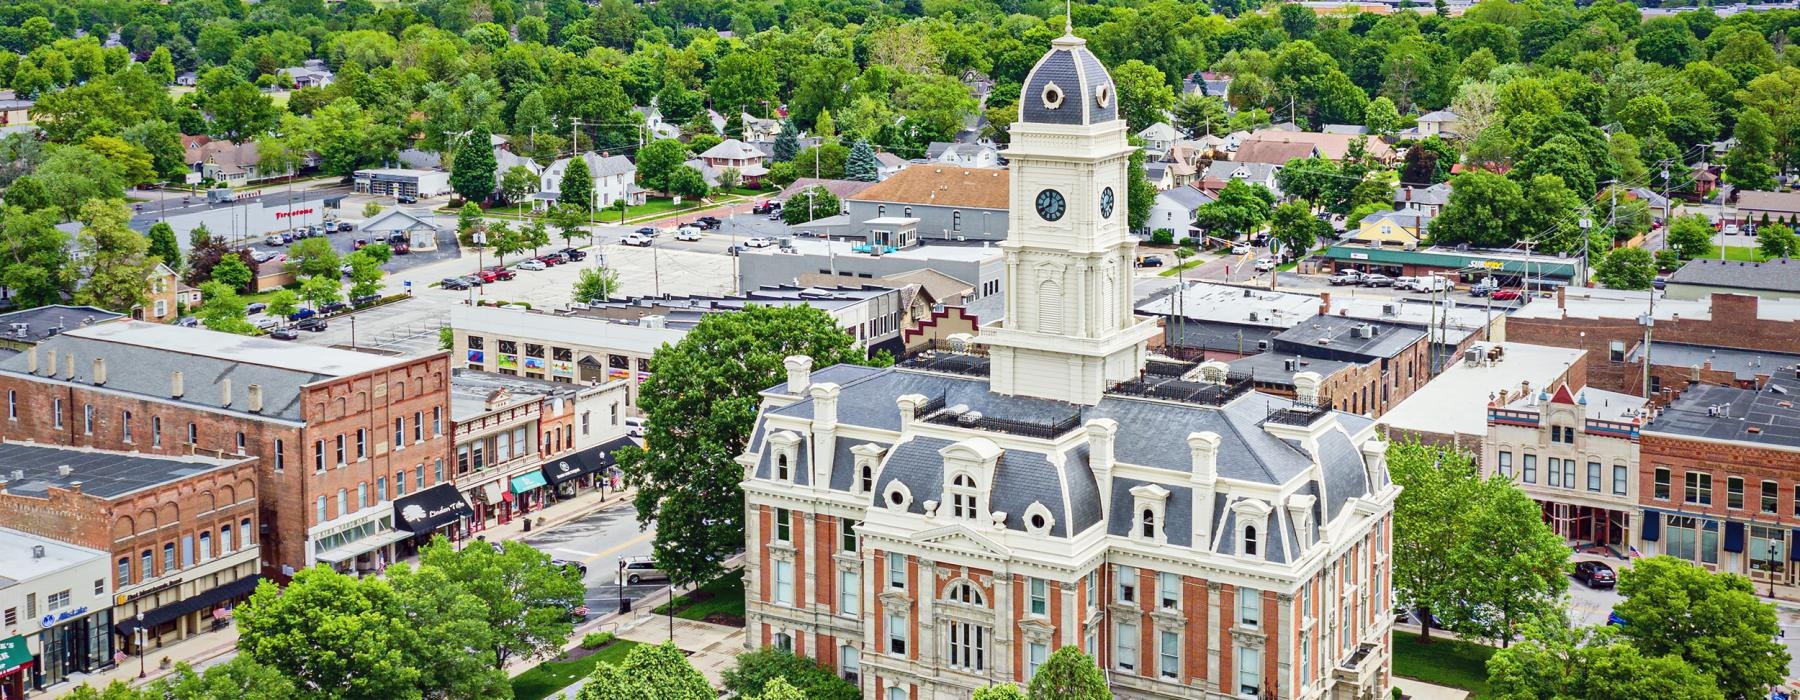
[1068,86]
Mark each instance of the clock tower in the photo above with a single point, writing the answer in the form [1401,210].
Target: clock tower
[1069,330]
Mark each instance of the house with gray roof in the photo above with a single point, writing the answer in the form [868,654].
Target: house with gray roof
[1774,279]
[968,155]
[614,178]
[1159,137]
[1174,210]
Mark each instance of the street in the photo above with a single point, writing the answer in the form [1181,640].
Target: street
[600,540]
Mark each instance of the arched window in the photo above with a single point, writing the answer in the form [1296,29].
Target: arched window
[868,478]
[964,592]
[1250,540]
[956,220]
[908,212]
[1148,524]
[781,467]
[962,497]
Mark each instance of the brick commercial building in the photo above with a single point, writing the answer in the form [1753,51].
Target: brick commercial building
[55,603]
[1575,452]
[1452,409]
[1720,484]
[319,421]
[1606,323]
[180,530]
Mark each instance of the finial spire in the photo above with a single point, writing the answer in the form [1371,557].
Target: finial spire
[1069,17]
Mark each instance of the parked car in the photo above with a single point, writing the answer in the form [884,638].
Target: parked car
[688,229]
[1429,283]
[646,231]
[401,248]
[268,323]
[760,242]
[573,254]
[1731,229]
[765,207]
[302,314]
[579,567]
[472,280]
[314,324]
[1240,248]
[502,273]
[554,258]
[407,199]
[332,307]
[1377,281]
[639,569]
[255,308]
[635,239]
[634,427]
[708,223]
[273,239]
[1150,261]
[1661,282]
[1265,264]
[287,237]
[1595,574]
[687,233]
[365,300]
[359,244]
[188,321]
[533,264]
[1485,287]
[1350,277]
[486,275]
[284,334]
[452,283]
[1506,295]
[345,227]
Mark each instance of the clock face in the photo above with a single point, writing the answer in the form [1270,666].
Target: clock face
[1106,203]
[1050,205]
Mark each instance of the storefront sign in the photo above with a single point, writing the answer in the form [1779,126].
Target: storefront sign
[1359,256]
[54,618]
[295,212]
[616,373]
[13,653]
[477,357]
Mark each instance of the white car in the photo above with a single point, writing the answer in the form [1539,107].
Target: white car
[635,239]
[760,242]
[1239,249]
[687,233]
[1265,264]
[533,265]
[1731,229]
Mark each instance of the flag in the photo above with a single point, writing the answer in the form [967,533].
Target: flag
[1635,554]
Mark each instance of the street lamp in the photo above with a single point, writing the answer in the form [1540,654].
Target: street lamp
[141,640]
[622,584]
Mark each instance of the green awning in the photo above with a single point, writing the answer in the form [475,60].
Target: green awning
[13,653]
[527,482]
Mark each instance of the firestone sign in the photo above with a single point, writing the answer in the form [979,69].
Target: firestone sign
[294,212]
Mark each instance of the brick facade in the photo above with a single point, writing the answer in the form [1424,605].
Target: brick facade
[1720,463]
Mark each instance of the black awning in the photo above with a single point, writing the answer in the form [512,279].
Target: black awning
[201,601]
[588,461]
[426,511]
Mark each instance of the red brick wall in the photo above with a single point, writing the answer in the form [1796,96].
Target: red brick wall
[1722,461]
[1193,603]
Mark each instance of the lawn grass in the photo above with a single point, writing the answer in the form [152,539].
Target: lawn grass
[721,596]
[547,678]
[1743,253]
[1173,271]
[1444,661]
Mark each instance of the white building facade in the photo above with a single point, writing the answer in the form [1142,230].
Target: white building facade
[944,525]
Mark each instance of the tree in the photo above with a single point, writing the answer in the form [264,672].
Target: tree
[320,290]
[729,179]
[533,235]
[371,209]
[239,678]
[787,142]
[1308,178]
[381,253]
[1240,209]
[657,160]
[223,310]
[162,141]
[232,272]
[239,110]
[1626,268]
[314,257]
[163,245]
[1070,675]
[469,222]
[1751,163]
[1714,621]
[472,174]
[1776,241]
[594,285]
[657,671]
[112,262]
[1004,691]
[283,303]
[809,205]
[1555,661]
[1691,235]
[756,671]
[688,182]
[1550,214]
[569,221]
[700,404]
[33,256]
[862,165]
[577,186]
[525,600]
[517,183]
[826,160]
[161,65]
[335,636]
[1482,211]
[345,135]
[365,274]
[1381,116]
[68,179]
[1294,225]
[1201,114]
[1144,94]
[1140,194]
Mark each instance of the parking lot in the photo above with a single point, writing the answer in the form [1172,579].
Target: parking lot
[344,243]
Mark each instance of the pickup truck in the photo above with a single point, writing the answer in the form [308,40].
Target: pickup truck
[635,239]
[1350,277]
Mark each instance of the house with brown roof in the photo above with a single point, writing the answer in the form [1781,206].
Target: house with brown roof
[226,162]
[1273,152]
[1333,146]
[950,203]
[1754,205]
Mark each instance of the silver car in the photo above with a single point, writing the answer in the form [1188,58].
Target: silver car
[638,569]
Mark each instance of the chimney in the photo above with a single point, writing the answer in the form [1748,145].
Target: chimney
[64,470]
[31,360]
[1306,385]
[1409,193]
[175,385]
[75,487]
[825,402]
[824,442]
[68,366]
[799,373]
[1101,433]
[255,398]
[1324,303]
[225,392]
[1561,293]
[99,370]
[1204,447]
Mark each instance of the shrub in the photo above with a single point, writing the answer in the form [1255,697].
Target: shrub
[818,682]
[1162,236]
[595,640]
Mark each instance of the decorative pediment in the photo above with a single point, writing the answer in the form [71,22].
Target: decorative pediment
[895,602]
[1168,619]
[961,538]
[1037,631]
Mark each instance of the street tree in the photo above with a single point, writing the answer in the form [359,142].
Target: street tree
[381,253]
[657,671]
[525,601]
[335,637]
[1201,114]
[1294,225]
[283,303]
[239,678]
[223,310]
[755,672]
[1069,675]
[163,245]
[505,240]
[33,256]
[1307,178]
[162,140]
[688,182]
[1628,267]
[1550,213]
[534,235]
[577,186]
[729,179]
[594,285]
[112,262]
[811,204]
[1144,94]
[657,160]
[314,257]
[233,272]
[569,221]
[1714,621]
[700,404]
[787,141]
[365,274]
[470,221]
[1751,163]
[1691,235]
[472,170]
[826,160]
[1557,661]
[517,183]
[1003,691]
[1776,241]
[1482,211]
[862,165]
[320,290]
[1240,209]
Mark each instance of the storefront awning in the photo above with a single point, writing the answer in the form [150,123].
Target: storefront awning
[366,544]
[207,599]
[588,461]
[426,511]
[527,481]
[13,653]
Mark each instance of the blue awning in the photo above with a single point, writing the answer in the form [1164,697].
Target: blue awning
[1794,545]
[1653,526]
[1734,537]
[527,481]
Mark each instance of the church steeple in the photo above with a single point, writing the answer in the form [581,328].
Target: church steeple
[1069,331]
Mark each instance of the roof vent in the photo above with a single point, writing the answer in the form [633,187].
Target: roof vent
[37,551]
[968,418]
[64,470]
[18,475]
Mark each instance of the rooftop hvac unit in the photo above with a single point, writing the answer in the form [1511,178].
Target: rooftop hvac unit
[1262,344]
[1288,364]
[1389,309]
[1254,317]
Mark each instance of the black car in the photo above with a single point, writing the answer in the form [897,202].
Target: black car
[708,223]
[579,567]
[453,283]
[647,231]
[256,308]
[1595,574]
[365,300]
[573,255]
[311,323]
[332,307]
[284,334]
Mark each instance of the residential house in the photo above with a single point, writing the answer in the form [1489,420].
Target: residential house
[1157,172]
[311,73]
[1430,200]
[1273,152]
[1441,123]
[1208,84]
[842,189]
[14,109]
[888,164]
[758,129]
[419,228]
[228,163]
[654,123]
[614,178]
[1403,228]
[1174,210]
[161,303]
[1345,129]
[1335,147]
[187,79]
[732,153]
[968,155]
[1224,171]
[505,160]
[1159,137]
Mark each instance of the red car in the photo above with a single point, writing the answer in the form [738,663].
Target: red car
[498,272]
[1506,294]
[551,259]
[486,275]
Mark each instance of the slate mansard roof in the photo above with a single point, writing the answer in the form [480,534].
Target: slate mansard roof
[1086,90]
[1151,433]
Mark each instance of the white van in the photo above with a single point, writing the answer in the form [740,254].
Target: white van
[1429,283]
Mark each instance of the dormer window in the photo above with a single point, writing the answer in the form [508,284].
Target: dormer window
[865,475]
[1250,541]
[1252,524]
[962,497]
[1149,502]
[783,472]
[1147,524]
[784,455]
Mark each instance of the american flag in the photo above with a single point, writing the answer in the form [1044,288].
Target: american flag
[1635,554]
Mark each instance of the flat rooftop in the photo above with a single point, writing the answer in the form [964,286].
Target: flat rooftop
[1766,417]
[1339,334]
[842,249]
[235,348]
[22,563]
[153,212]
[1271,367]
[470,390]
[1616,303]
[1206,301]
[1745,365]
[35,324]
[563,329]
[32,469]
[1456,401]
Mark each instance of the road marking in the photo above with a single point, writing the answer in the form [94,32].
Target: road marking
[620,547]
[574,551]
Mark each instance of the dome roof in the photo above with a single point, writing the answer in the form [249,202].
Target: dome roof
[1068,86]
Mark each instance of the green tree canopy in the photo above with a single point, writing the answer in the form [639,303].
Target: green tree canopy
[223,310]
[525,602]
[577,186]
[112,262]
[658,672]
[756,671]
[313,257]
[472,174]
[657,160]
[1555,661]
[163,246]
[1070,675]
[1713,621]
[1626,268]
[33,256]
[1777,241]
[810,204]
[862,165]
[1483,211]
[1691,235]
[1240,209]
